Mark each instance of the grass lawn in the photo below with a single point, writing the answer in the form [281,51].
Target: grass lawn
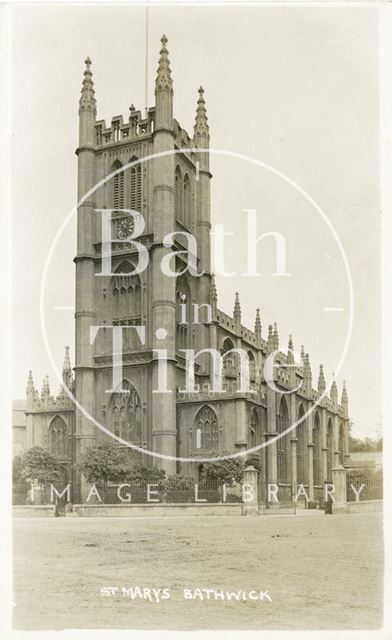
[321,572]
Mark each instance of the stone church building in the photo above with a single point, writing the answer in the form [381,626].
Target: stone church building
[172,192]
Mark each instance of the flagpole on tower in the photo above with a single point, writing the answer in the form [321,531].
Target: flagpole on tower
[146,66]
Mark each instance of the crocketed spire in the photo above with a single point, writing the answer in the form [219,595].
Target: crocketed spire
[87,100]
[67,370]
[321,380]
[237,308]
[30,383]
[334,392]
[45,387]
[201,128]
[345,400]
[307,375]
[258,325]
[270,339]
[276,337]
[212,293]
[164,80]
[290,349]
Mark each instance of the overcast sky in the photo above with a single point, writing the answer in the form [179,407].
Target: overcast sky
[293,87]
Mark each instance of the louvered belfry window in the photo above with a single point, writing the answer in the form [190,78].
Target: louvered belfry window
[135,199]
[118,187]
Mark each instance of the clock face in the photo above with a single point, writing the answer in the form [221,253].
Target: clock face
[125,227]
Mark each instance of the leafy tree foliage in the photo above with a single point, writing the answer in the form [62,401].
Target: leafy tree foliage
[178,482]
[145,475]
[39,466]
[108,462]
[228,470]
[365,444]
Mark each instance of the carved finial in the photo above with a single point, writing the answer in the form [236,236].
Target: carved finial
[164,80]
[321,380]
[303,354]
[87,100]
[201,128]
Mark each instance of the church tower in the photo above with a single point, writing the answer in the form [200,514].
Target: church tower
[171,191]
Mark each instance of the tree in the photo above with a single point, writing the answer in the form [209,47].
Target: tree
[228,470]
[365,444]
[108,462]
[178,482]
[145,475]
[39,466]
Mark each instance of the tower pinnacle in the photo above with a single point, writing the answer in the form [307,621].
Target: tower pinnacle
[201,128]
[164,80]
[87,100]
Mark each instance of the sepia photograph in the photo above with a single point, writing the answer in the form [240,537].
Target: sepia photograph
[196,234]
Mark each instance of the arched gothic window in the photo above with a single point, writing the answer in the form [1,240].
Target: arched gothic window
[229,361]
[206,429]
[178,193]
[301,448]
[58,437]
[317,453]
[127,414]
[118,186]
[252,365]
[330,450]
[187,201]
[283,443]
[135,186]
[182,312]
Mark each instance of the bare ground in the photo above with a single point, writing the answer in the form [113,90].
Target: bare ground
[322,572]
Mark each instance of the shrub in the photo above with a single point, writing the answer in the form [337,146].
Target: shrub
[39,466]
[228,470]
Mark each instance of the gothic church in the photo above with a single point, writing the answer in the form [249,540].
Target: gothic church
[172,193]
